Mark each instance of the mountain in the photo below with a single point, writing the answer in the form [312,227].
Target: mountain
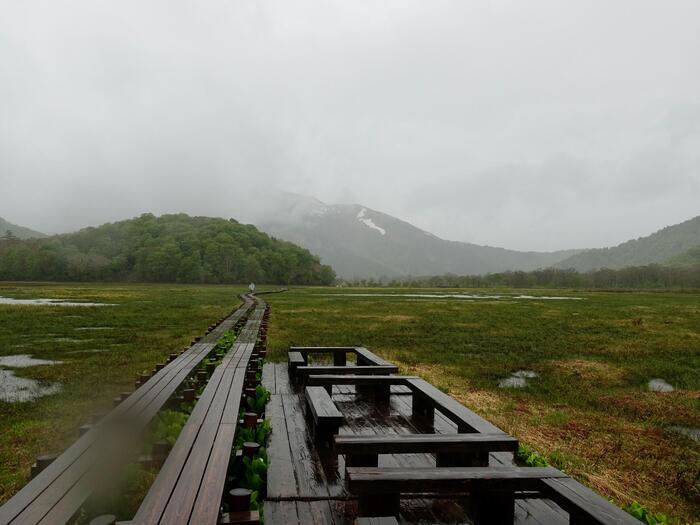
[359,242]
[170,248]
[660,247]
[18,231]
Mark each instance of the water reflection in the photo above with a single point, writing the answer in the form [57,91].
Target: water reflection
[46,302]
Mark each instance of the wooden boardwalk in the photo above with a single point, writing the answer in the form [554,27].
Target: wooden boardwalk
[307,485]
[57,493]
[348,439]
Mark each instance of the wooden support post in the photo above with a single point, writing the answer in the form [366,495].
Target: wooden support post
[239,500]
[379,505]
[323,434]
[497,508]
[188,395]
[465,459]
[361,460]
[250,448]
[41,463]
[423,409]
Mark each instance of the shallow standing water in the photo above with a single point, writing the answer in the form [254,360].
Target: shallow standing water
[517,379]
[659,385]
[24,361]
[455,296]
[15,389]
[46,302]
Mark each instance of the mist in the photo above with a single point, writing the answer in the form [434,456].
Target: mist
[528,125]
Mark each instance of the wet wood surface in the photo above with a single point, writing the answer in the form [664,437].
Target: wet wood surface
[59,491]
[307,485]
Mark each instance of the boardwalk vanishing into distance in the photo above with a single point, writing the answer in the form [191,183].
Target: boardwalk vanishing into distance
[335,435]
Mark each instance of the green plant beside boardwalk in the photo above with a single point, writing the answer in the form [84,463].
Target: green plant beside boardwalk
[588,411]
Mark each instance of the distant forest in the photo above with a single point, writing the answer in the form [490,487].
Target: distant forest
[649,276]
[170,248]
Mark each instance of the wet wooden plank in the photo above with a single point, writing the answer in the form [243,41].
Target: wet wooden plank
[281,482]
[282,379]
[281,513]
[206,508]
[268,377]
[446,479]
[539,512]
[588,506]
[311,482]
[315,512]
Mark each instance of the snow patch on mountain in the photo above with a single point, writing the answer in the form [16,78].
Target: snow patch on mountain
[369,222]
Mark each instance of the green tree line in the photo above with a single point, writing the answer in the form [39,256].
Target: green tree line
[170,248]
[643,277]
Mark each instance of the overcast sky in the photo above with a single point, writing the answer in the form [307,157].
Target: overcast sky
[524,124]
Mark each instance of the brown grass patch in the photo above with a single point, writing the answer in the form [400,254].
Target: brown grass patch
[590,371]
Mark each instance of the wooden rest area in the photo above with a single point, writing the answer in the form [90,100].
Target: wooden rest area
[404,451]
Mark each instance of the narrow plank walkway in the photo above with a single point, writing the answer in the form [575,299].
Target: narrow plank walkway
[307,485]
[58,491]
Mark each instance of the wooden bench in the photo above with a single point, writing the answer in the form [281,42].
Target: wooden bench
[365,357]
[583,505]
[57,493]
[451,450]
[339,353]
[427,398]
[326,416]
[379,385]
[304,371]
[491,490]
[295,359]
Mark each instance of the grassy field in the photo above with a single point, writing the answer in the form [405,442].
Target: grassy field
[588,411]
[101,350]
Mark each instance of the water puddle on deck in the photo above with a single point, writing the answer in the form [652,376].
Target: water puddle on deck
[659,385]
[15,389]
[468,297]
[47,302]
[517,379]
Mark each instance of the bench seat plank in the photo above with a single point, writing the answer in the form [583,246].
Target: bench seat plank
[446,479]
[425,443]
[354,379]
[465,418]
[584,503]
[321,405]
[307,370]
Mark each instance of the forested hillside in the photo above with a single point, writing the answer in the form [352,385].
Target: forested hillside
[170,248]
[660,247]
[9,230]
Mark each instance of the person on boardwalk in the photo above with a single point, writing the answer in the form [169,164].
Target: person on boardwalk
[251,287]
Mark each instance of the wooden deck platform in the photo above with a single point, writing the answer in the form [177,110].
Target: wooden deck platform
[307,485]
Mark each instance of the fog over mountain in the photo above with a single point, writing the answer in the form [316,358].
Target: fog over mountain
[359,242]
[539,125]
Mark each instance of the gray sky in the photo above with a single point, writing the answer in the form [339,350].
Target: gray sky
[529,125]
